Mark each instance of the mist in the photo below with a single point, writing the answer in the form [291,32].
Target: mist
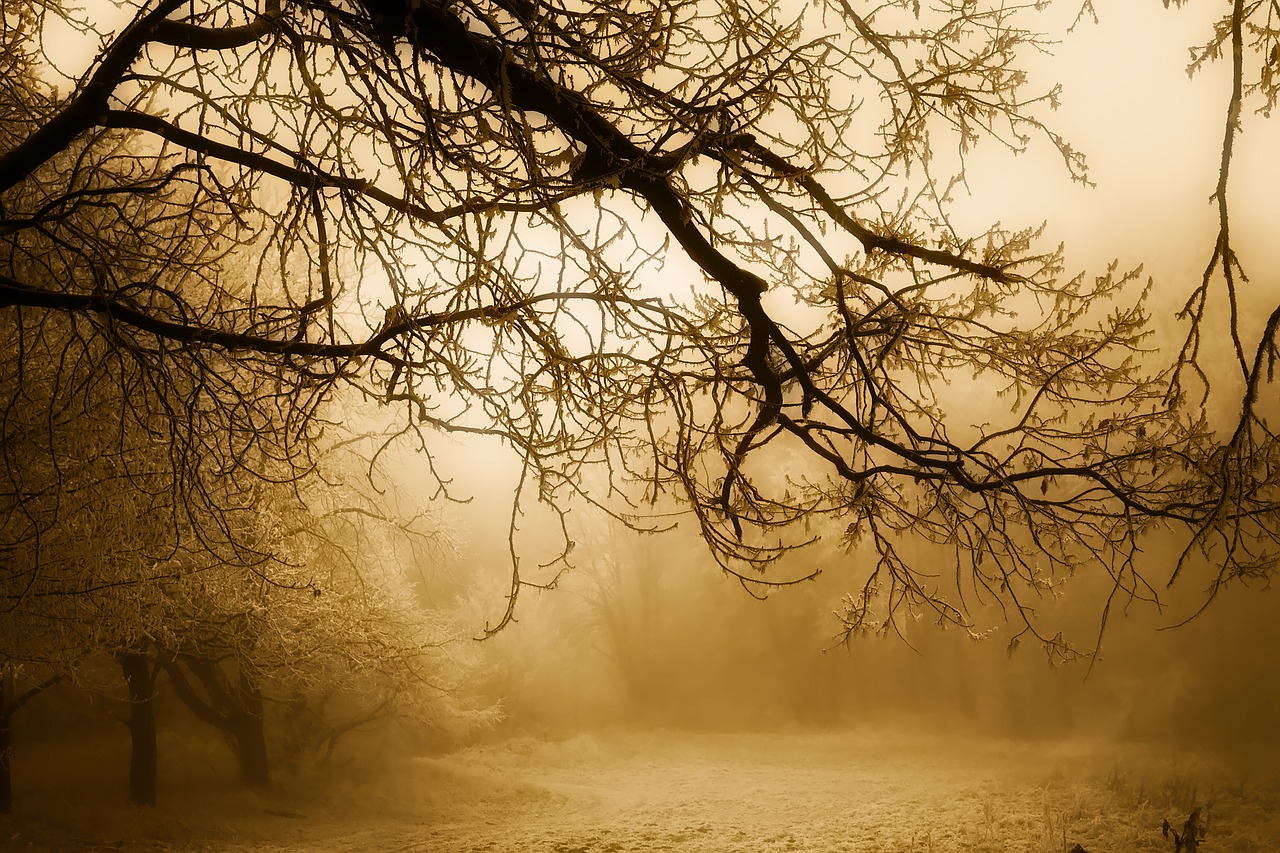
[649,700]
[646,632]
[455,656]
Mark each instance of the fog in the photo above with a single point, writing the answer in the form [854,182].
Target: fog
[647,700]
[644,633]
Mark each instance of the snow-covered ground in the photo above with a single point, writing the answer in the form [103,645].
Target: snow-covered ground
[862,791]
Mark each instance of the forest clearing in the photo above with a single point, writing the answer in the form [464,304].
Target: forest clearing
[876,790]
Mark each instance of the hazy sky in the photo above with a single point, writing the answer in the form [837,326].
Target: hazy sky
[1152,137]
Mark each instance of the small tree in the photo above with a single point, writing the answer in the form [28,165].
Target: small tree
[102,498]
[333,628]
[1189,838]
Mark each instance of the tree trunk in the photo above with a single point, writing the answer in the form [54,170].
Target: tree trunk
[142,727]
[251,743]
[251,735]
[6,740]
[10,702]
[235,708]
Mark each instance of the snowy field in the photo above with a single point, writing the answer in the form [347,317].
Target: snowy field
[865,791]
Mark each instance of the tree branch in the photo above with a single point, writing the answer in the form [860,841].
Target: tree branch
[195,37]
[89,106]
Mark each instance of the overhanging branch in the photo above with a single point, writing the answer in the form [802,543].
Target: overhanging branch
[89,105]
[194,37]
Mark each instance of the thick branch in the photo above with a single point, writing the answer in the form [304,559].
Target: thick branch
[193,37]
[120,309]
[14,292]
[187,693]
[447,38]
[29,694]
[88,107]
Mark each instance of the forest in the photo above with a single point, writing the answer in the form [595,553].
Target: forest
[682,424]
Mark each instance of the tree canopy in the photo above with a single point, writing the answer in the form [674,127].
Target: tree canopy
[705,247]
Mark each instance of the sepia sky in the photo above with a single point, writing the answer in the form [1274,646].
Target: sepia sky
[1152,137]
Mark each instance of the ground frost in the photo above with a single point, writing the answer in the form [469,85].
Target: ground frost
[861,791]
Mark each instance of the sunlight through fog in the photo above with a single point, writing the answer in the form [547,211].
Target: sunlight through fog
[454,426]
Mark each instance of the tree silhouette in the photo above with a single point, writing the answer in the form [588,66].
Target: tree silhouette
[705,247]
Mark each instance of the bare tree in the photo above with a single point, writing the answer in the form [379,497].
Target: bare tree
[334,632]
[100,515]
[690,243]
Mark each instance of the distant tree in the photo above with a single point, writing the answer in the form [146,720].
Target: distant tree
[106,561]
[335,632]
[99,514]
[118,541]
[706,246]
[621,612]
